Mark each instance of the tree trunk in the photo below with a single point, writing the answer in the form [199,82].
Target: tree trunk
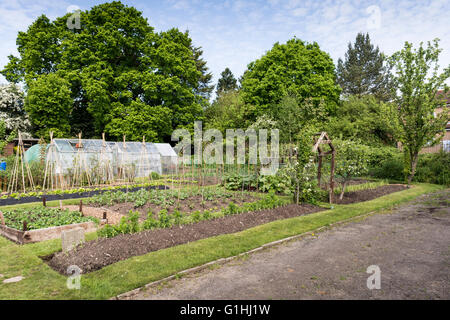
[343,190]
[414,160]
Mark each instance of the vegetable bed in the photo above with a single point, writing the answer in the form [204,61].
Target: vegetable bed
[43,217]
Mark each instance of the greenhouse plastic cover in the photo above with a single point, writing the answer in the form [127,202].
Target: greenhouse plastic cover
[145,156]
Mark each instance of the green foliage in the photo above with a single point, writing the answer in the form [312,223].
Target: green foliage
[150,222]
[226,112]
[293,68]
[416,82]
[227,82]
[364,71]
[43,217]
[352,160]
[431,168]
[155,175]
[363,118]
[164,220]
[49,105]
[128,224]
[390,169]
[434,168]
[114,75]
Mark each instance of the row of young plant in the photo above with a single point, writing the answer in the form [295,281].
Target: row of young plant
[43,217]
[362,186]
[40,194]
[131,224]
[163,198]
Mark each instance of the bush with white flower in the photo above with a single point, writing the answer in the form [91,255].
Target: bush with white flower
[12,111]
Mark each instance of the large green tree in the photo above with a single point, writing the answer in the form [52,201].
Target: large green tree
[118,70]
[364,70]
[296,68]
[417,81]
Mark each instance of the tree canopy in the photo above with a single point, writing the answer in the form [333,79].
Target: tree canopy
[416,84]
[295,67]
[364,71]
[118,72]
[227,82]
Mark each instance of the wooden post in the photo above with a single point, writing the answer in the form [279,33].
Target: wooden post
[81,206]
[25,226]
[2,219]
[44,201]
[319,169]
[332,176]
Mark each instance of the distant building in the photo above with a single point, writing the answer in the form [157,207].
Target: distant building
[444,144]
[27,143]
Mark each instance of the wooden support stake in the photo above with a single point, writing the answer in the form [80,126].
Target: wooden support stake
[81,206]
[25,226]
[331,177]
[44,201]
[2,219]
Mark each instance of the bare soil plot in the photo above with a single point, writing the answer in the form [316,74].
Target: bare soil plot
[369,194]
[99,253]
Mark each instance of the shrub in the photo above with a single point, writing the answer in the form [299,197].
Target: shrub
[434,168]
[390,169]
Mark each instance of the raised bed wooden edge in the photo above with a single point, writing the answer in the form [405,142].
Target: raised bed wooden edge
[30,236]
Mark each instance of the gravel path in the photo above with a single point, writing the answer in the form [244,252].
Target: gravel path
[411,246]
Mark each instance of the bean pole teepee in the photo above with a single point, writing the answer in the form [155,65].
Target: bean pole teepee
[81,168]
[53,176]
[20,170]
[106,169]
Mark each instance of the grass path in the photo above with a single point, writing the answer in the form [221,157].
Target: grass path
[41,282]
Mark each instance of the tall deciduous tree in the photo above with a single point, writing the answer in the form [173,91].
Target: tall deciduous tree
[364,70]
[292,68]
[417,81]
[227,82]
[118,70]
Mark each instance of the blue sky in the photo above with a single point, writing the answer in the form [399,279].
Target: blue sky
[236,32]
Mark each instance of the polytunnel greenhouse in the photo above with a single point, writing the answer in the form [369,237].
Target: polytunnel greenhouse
[105,158]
